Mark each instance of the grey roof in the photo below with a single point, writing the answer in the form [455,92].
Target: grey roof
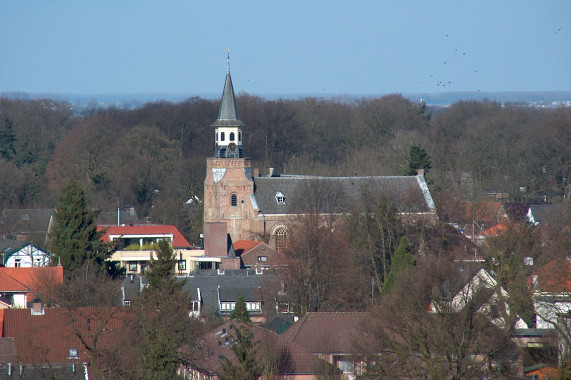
[227,115]
[32,222]
[340,194]
[230,286]
[545,212]
[126,216]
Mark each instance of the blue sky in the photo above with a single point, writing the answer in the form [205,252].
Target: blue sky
[284,47]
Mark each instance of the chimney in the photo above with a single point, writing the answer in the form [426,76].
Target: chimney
[271,172]
[420,172]
[37,307]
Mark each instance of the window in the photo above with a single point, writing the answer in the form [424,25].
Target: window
[143,267]
[132,266]
[221,136]
[17,262]
[232,136]
[280,198]
[127,303]
[216,136]
[280,235]
[73,353]
[239,136]
[182,265]
[262,258]
[234,200]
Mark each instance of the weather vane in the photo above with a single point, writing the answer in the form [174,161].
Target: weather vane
[228,59]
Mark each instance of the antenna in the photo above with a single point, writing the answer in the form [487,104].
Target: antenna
[228,59]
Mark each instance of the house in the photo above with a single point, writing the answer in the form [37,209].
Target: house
[57,339]
[552,293]
[288,359]
[32,225]
[25,255]
[257,255]
[20,286]
[471,281]
[216,294]
[333,337]
[254,206]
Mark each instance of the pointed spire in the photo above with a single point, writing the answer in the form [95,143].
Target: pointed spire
[227,115]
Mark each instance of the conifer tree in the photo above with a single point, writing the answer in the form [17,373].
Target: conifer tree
[7,139]
[402,259]
[75,242]
[417,159]
[245,366]
[240,311]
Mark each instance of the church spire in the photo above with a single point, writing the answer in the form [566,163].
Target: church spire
[227,115]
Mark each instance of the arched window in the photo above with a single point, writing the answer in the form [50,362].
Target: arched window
[221,136]
[234,200]
[232,136]
[239,136]
[280,235]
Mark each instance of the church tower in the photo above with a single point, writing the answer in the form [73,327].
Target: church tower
[229,184]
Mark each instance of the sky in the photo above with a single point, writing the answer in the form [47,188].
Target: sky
[358,47]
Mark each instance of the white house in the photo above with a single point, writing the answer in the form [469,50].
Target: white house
[26,256]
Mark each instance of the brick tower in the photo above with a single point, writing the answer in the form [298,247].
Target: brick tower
[229,183]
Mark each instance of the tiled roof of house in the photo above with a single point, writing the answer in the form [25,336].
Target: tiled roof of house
[288,357]
[36,279]
[340,194]
[10,284]
[146,229]
[328,332]
[554,277]
[48,338]
[242,246]
[495,230]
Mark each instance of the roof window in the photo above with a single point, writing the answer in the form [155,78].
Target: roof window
[280,198]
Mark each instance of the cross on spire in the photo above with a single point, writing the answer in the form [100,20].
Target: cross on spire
[228,59]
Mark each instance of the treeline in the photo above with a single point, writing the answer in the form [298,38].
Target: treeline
[153,158]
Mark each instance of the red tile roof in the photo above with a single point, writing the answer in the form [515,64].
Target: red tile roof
[498,229]
[554,277]
[10,284]
[47,339]
[243,246]
[36,279]
[146,229]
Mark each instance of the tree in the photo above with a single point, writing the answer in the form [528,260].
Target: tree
[240,311]
[163,325]
[7,139]
[245,365]
[401,260]
[417,159]
[75,242]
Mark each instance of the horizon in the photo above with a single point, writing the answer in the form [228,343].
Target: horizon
[313,48]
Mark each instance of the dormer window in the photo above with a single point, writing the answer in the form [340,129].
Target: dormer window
[232,136]
[280,198]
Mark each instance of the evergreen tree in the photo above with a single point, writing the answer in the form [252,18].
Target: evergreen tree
[402,259]
[75,242]
[7,139]
[417,159]
[245,366]
[163,323]
[240,311]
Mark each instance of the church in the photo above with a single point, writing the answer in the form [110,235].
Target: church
[256,206]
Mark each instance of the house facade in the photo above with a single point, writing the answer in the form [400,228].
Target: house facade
[26,255]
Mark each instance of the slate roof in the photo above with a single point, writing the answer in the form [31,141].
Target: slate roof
[340,194]
[546,212]
[230,288]
[146,229]
[32,222]
[328,332]
[227,114]
[126,216]
[289,357]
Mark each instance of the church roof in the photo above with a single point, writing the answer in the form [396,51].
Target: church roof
[227,115]
[301,194]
